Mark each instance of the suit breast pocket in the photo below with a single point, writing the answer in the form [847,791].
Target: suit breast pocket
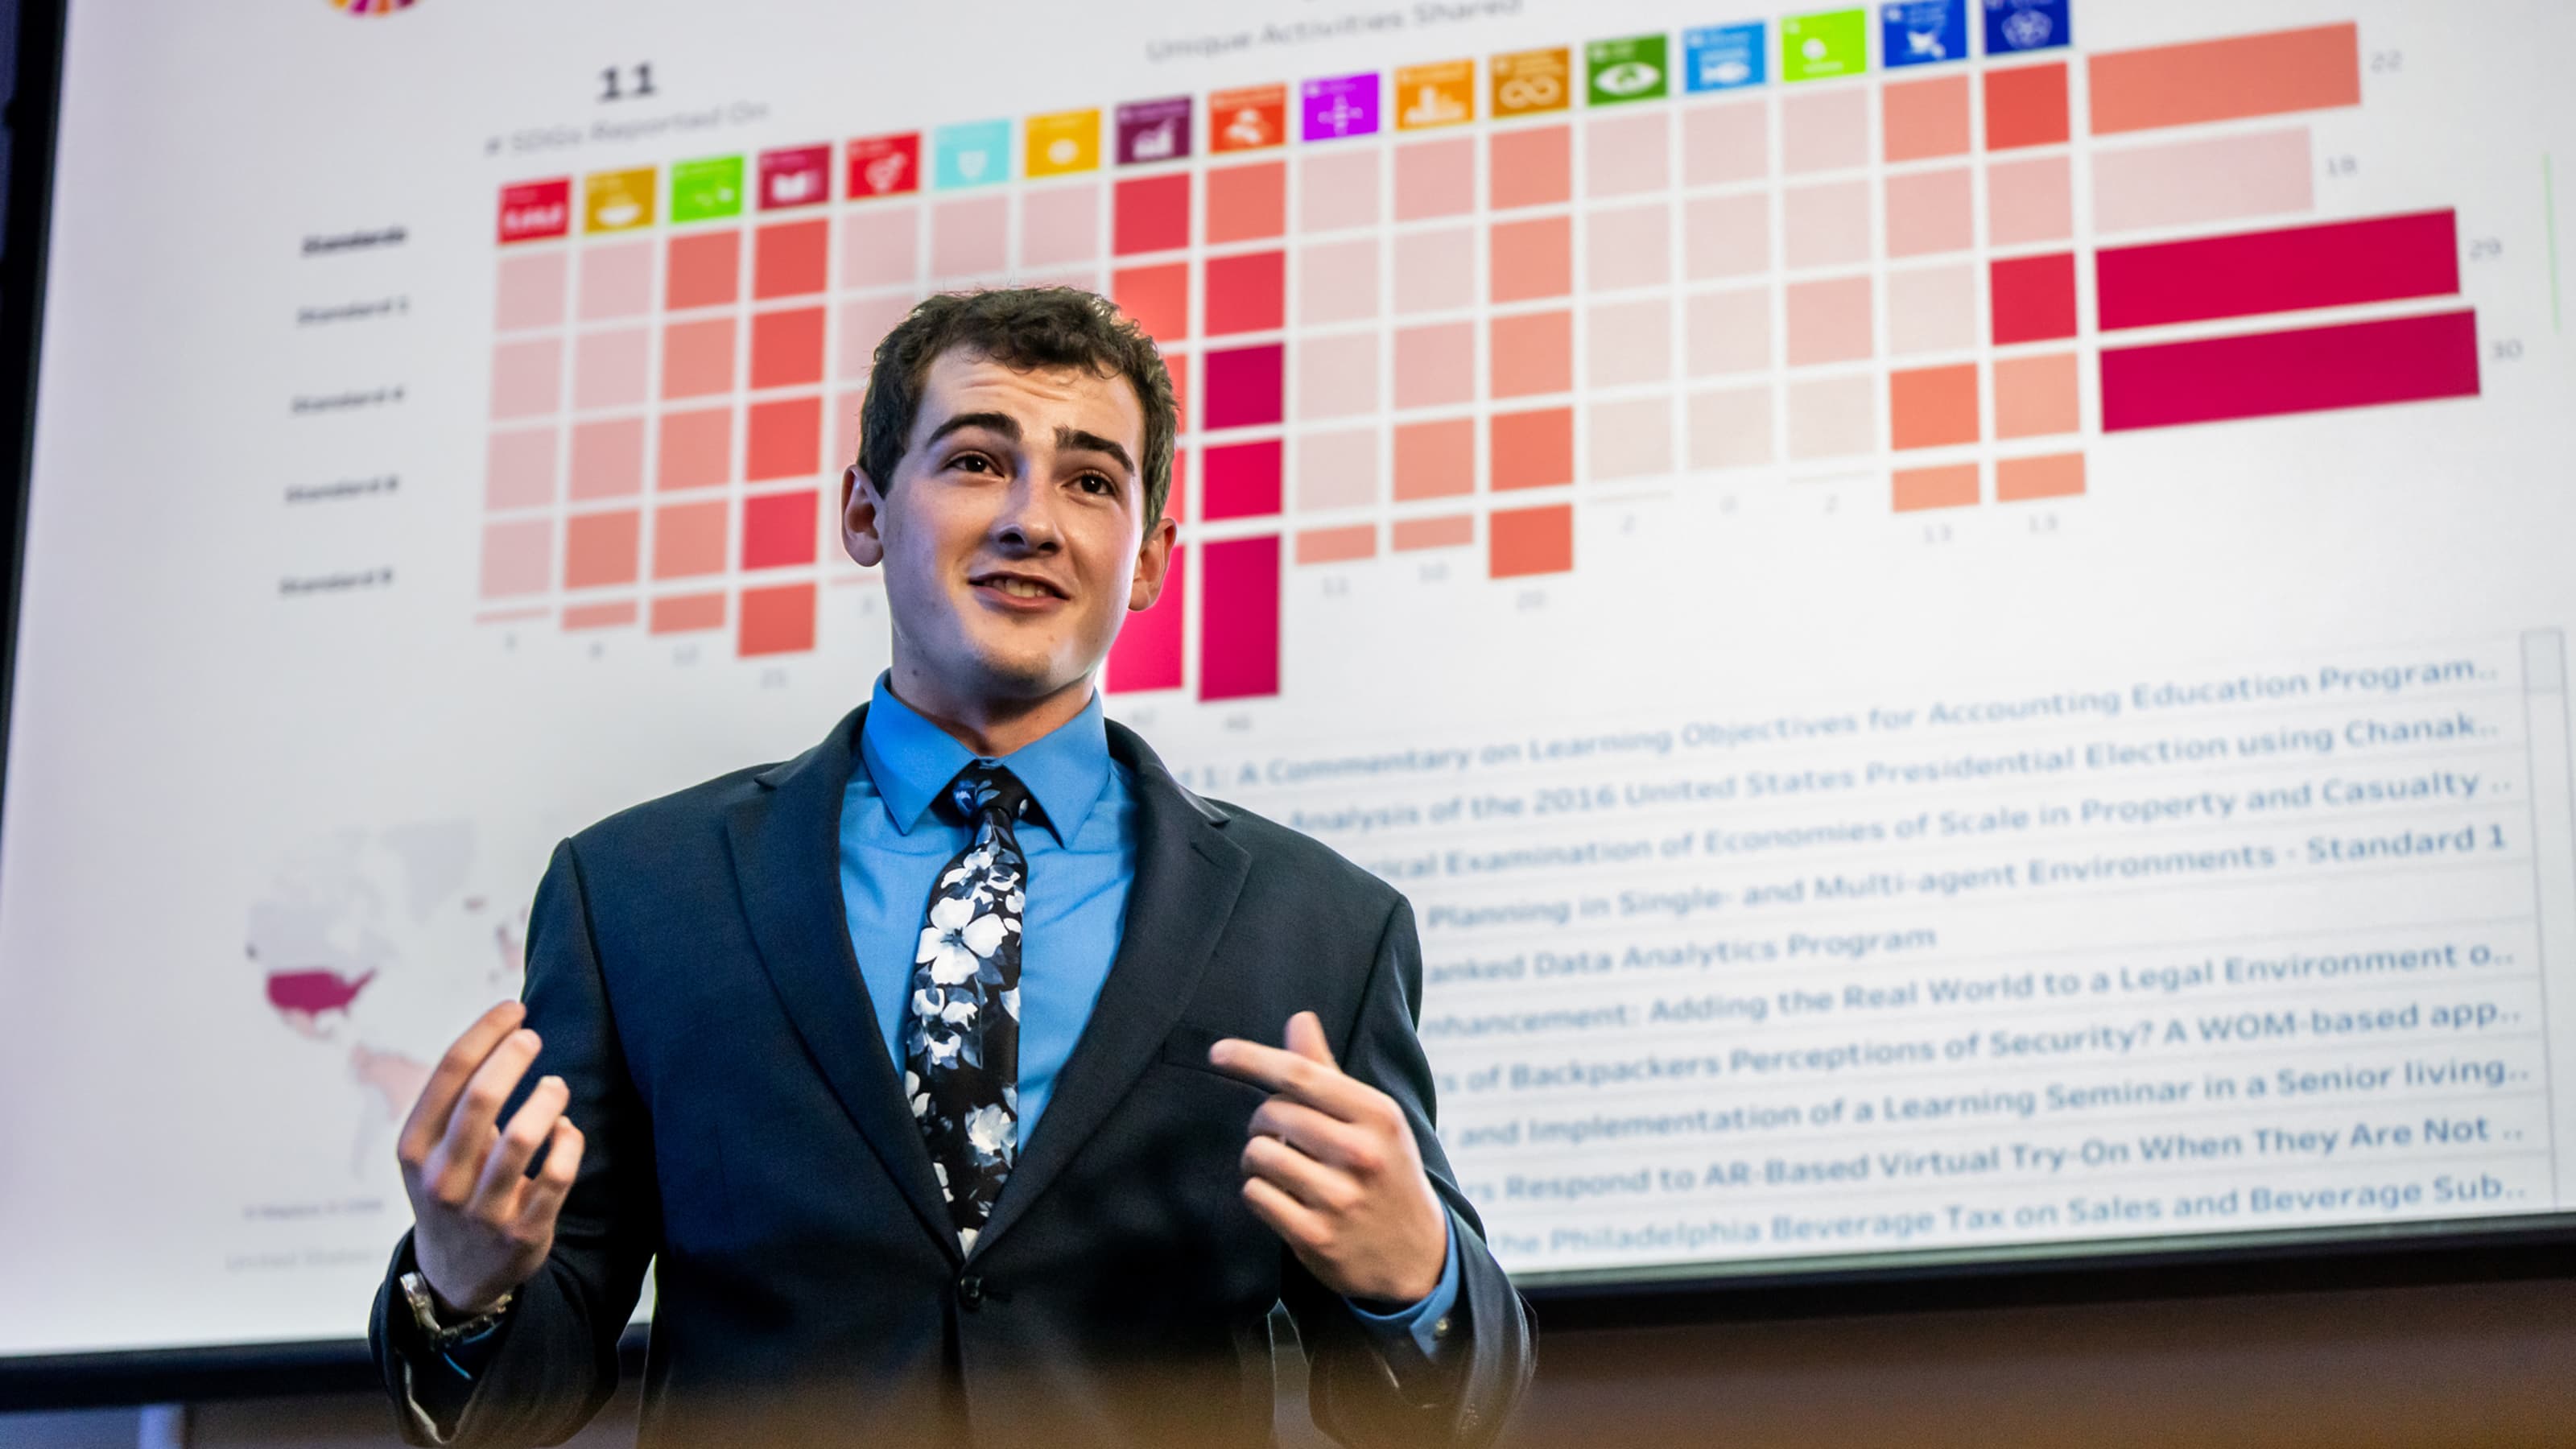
[1188,1122]
[1187,1046]
[1188,1087]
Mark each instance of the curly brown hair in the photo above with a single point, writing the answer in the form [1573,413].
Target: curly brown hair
[1022,328]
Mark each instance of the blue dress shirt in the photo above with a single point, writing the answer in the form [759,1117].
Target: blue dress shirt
[1080,863]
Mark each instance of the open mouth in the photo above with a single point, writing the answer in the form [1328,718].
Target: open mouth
[1018,586]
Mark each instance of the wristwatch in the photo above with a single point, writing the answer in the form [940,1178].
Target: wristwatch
[424,1311]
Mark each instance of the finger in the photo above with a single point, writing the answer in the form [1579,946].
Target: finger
[1319,1086]
[1324,1189]
[458,1158]
[1326,1139]
[1306,1038]
[496,1193]
[428,1120]
[1286,1216]
[547,1190]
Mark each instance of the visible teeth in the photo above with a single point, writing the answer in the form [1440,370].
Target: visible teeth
[1020,588]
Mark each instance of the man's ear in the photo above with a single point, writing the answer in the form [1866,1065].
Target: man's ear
[860,506]
[1153,564]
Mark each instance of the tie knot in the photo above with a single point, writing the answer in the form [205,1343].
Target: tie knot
[989,792]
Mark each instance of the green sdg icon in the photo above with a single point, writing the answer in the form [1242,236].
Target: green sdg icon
[1626,70]
[705,190]
[1813,47]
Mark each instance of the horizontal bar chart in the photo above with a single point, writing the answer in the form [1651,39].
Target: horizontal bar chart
[1385,344]
[2203,181]
[687,613]
[2024,480]
[1239,619]
[1337,545]
[2269,374]
[1952,485]
[1454,530]
[1528,541]
[776,621]
[599,616]
[1147,654]
[2241,76]
[2380,259]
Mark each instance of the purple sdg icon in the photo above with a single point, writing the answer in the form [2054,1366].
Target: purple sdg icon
[1153,130]
[1339,106]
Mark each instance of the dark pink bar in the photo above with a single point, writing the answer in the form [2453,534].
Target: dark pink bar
[2315,369]
[1239,625]
[2252,273]
[1148,652]
[1242,479]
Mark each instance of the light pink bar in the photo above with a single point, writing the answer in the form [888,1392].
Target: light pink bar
[1337,545]
[1453,531]
[2191,183]
[1337,470]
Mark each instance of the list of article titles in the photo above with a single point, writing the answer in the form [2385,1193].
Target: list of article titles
[2214,951]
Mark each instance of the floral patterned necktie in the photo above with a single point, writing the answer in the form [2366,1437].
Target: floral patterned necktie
[962,1045]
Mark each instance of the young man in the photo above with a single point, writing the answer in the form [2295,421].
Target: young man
[927,1067]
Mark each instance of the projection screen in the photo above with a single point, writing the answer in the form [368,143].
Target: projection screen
[1953,615]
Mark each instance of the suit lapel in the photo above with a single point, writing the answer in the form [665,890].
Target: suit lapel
[1187,877]
[786,857]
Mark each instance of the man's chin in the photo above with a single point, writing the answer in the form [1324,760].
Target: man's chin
[1026,675]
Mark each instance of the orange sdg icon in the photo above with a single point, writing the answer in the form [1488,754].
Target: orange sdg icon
[1248,119]
[1533,80]
[370,7]
[1435,95]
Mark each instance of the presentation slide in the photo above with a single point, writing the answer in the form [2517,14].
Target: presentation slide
[1955,616]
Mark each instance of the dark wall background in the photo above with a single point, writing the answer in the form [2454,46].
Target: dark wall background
[2477,1364]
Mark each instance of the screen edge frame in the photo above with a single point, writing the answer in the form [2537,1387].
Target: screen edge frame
[35,121]
[123,1378]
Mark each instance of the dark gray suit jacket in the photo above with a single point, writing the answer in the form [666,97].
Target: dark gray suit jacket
[691,974]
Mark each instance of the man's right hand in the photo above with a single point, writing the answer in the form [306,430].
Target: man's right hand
[482,1225]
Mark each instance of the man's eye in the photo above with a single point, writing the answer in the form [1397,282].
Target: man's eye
[975,461]
[1098,484]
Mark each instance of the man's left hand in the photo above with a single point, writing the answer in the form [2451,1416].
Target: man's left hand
[1332,1167]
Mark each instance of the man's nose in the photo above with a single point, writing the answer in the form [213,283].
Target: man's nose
[1027,518]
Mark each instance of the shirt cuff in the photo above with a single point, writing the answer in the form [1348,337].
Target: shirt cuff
[437,1385]
[1425,1322]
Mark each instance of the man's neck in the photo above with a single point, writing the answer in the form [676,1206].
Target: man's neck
[991,728]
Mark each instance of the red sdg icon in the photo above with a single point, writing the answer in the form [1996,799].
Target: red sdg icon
[535,210]
[796,176]
[884,165]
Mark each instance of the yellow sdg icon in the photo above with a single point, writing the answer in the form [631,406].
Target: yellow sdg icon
[1062,143]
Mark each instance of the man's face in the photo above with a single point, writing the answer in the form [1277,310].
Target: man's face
[1013,533]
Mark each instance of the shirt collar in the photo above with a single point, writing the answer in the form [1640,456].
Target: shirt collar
[910,761]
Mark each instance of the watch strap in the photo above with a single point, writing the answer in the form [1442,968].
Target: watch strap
[441,1336]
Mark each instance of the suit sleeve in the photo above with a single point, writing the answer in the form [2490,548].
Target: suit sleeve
[1489,1348]
[555,1360]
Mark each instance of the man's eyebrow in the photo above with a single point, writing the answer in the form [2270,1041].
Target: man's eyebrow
[1094,443]
[1002,423]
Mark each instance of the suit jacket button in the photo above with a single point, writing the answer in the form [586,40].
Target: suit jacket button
[970,1292]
